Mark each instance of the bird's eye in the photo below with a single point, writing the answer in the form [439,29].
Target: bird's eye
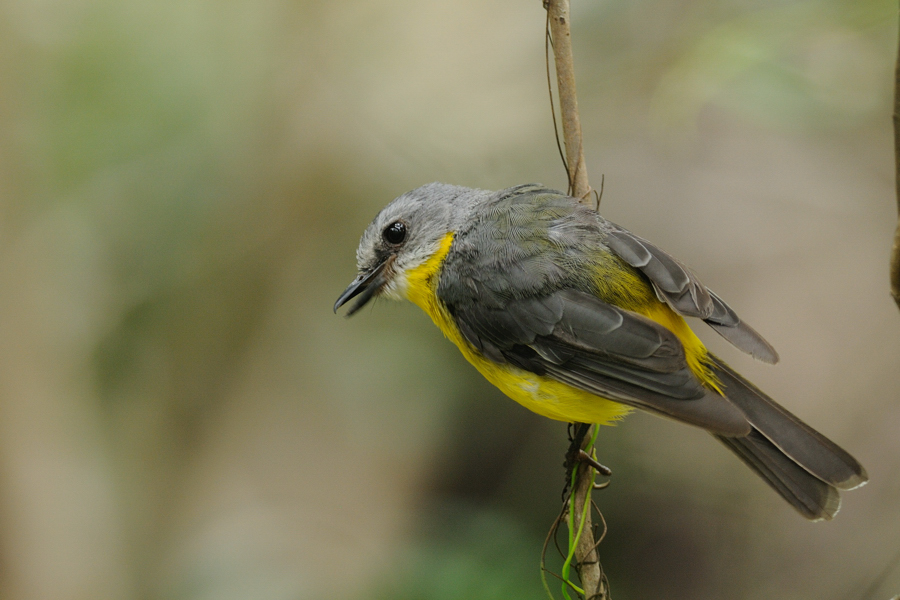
[395,233]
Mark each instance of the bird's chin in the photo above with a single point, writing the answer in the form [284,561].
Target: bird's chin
[395,289]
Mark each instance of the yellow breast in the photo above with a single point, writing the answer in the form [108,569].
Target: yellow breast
[542,395]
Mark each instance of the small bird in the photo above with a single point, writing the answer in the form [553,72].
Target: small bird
[580,320]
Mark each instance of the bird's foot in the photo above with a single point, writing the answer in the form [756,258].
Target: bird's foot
[576,454]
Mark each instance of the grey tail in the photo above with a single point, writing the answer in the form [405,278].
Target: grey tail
[803,466]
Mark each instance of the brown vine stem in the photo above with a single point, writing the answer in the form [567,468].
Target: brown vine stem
[589,570]
[588,563]
[558,13]
[895,252]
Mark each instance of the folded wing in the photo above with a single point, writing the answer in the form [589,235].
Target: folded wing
[574,338]
[679,288]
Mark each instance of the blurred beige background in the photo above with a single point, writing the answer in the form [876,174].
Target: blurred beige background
[182,186]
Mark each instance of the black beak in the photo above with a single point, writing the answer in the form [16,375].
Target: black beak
[366,285]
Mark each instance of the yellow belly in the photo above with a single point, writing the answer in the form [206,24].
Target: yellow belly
[545,396]
[542,395]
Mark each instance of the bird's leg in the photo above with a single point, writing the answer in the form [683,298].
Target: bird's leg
[575,454]
[575,442]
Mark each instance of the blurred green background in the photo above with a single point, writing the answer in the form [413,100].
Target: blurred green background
[182,187]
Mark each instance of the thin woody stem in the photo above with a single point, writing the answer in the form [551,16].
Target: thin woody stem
[558,12]
[895,252]
[588,561]
[586,555]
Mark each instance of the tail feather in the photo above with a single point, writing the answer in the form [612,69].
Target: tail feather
[812,497]
[806,446]
[803,466]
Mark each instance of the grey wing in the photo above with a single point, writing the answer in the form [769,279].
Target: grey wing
[574,338]
[677,286]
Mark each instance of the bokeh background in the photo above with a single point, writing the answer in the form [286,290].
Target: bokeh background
[182,187]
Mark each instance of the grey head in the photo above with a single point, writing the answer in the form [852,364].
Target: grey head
[405,234]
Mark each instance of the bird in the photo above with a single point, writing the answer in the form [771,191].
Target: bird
[580,320]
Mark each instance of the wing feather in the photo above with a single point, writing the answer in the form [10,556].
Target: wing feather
[679,287]
[575,338]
